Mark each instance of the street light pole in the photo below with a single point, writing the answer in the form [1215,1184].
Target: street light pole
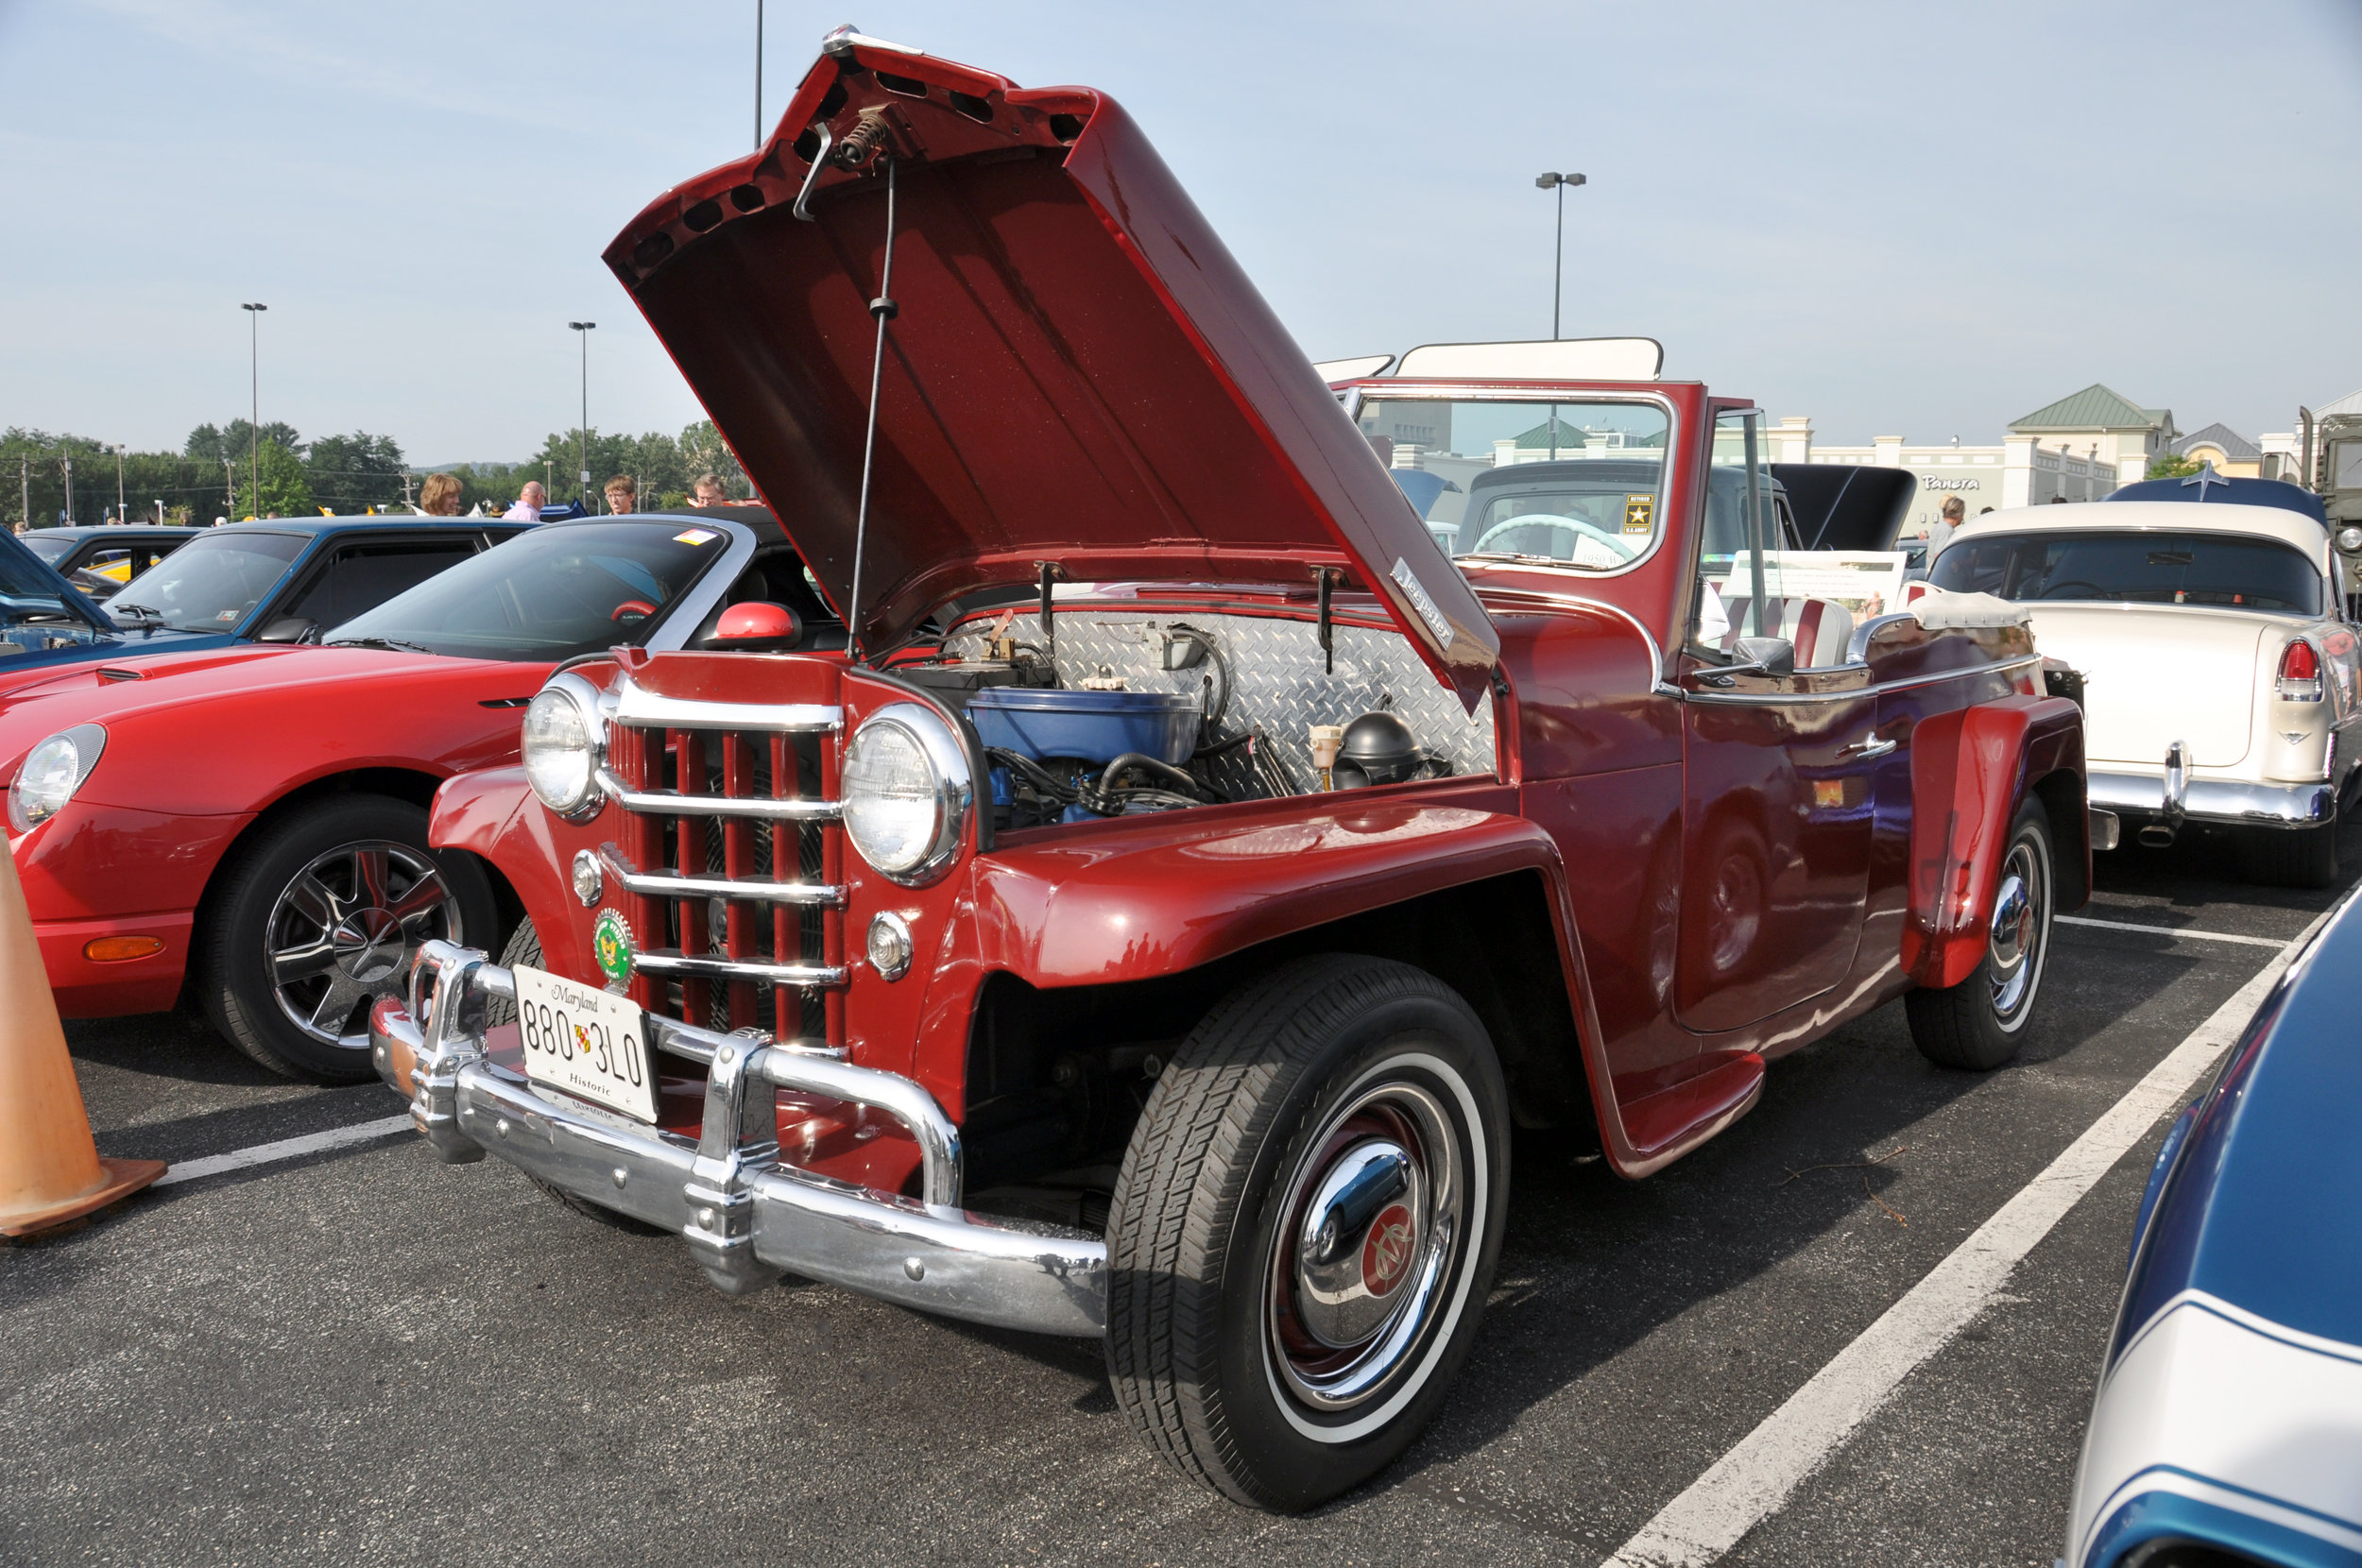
[1558,255]
[121,516]
[585,329]
[69,489]
[254,418]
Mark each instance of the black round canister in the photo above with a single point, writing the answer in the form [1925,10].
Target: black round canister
[1382,747]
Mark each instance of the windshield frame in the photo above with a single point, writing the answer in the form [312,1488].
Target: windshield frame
[2325,584]
[673,626]
[1543,396]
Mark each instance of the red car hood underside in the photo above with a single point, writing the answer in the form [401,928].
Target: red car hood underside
[1079,372]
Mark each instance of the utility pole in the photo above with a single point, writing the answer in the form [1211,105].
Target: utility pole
[229,488]
[254,419]
[69,489]
[121,515]
[1558,256]
[758,76]
[405,487]
[585,329]
[25,488]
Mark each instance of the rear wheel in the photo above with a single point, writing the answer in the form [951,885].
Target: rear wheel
[1306,1227]
[1979,1023]
[2293,857]
[321,915]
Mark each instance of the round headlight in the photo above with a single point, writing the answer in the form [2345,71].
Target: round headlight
[562,748]
[907,789]
[2350,540]
[52,771]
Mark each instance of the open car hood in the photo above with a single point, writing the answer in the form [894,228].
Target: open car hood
[1077,371]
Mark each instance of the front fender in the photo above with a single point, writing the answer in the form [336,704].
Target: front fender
[1970,770]
[484,812]
[1139,906]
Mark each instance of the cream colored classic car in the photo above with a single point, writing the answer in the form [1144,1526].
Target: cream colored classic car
[2219,669]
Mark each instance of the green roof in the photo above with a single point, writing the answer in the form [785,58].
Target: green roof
[2094,408]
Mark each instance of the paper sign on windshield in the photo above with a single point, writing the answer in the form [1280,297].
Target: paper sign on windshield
[1866,582]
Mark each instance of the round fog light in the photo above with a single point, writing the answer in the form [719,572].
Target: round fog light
[588,882]
[889,947]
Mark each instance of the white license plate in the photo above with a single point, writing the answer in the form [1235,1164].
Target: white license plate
[585,1042]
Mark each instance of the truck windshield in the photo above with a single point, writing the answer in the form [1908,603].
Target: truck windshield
[208,585]
[1575,483]
[550,594]
[2219,570]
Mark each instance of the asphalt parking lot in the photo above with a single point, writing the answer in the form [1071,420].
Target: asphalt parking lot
[365,1355]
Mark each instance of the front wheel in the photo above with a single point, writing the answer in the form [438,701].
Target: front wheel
[321,915]
[1305,1229]
[1979,1023]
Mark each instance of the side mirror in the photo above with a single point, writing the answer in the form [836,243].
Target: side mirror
[756,626]
[1763,656]
[288,629]
[1757,656]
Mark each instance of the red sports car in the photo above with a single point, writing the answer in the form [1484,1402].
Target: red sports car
[245,828]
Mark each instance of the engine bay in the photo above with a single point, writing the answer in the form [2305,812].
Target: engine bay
[1114,712]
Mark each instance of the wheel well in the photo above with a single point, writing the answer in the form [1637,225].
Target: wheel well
[404,784]
[1056,1078]
[2062,797]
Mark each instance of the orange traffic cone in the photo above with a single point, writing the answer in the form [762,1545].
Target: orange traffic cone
[50,1171]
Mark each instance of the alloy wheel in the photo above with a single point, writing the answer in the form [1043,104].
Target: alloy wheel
[344,932]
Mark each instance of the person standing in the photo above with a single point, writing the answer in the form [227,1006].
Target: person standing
[529,503]
[1954,513]
[439,495]
[707,491]
[623,494]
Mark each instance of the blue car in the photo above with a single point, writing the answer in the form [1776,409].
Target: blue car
[43,620]
[284,580]
[2228,1431]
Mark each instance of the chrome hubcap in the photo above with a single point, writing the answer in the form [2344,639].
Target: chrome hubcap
[1373,1221]
[344,932]
[2019,931]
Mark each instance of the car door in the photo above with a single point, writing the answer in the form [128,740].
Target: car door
[360,573]
[1776,797]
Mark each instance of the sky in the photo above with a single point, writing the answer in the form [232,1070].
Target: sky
[1898,219]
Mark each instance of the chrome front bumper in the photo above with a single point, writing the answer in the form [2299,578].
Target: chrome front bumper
[2216,800]
[746,1216]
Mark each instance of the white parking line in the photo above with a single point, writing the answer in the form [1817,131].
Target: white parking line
[285,1149]
[1750,1482]
[2169,930]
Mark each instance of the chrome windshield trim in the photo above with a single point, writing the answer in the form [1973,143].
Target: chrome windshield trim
[1857,645]
[672,884]
[671,960]
[679,805]
[640,709]
[1853,692]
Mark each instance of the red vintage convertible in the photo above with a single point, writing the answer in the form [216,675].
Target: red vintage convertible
[1153,925]
[244,828]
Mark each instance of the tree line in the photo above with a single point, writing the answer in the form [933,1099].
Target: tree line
[233,470]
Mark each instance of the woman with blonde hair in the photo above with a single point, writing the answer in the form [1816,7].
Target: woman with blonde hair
[439,495]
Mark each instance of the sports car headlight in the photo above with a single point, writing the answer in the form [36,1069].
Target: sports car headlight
[564,746]
[907,793]
[52,771]
[2350,540]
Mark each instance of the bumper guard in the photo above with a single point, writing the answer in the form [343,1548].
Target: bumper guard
[746,1216]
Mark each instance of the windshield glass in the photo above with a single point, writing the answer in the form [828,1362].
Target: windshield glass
[208,585]
[50,550]
[2218,569]
[558,591]
[1573,483]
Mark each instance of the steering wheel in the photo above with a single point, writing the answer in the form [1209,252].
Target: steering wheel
[1582,533]
[636,609]
[2057,590]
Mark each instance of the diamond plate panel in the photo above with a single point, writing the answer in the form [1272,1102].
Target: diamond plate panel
[1277,678]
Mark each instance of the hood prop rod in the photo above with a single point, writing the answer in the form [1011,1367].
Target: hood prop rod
[883,309]
[1049,571]
[1328,577]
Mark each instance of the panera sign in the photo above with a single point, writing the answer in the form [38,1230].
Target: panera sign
[1933,482]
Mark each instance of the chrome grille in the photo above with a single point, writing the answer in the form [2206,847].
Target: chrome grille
[733,861]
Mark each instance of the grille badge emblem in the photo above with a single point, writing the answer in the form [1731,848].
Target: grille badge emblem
[611,945]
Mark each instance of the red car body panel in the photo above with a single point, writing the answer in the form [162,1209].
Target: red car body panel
[1069,327]
[198,746]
